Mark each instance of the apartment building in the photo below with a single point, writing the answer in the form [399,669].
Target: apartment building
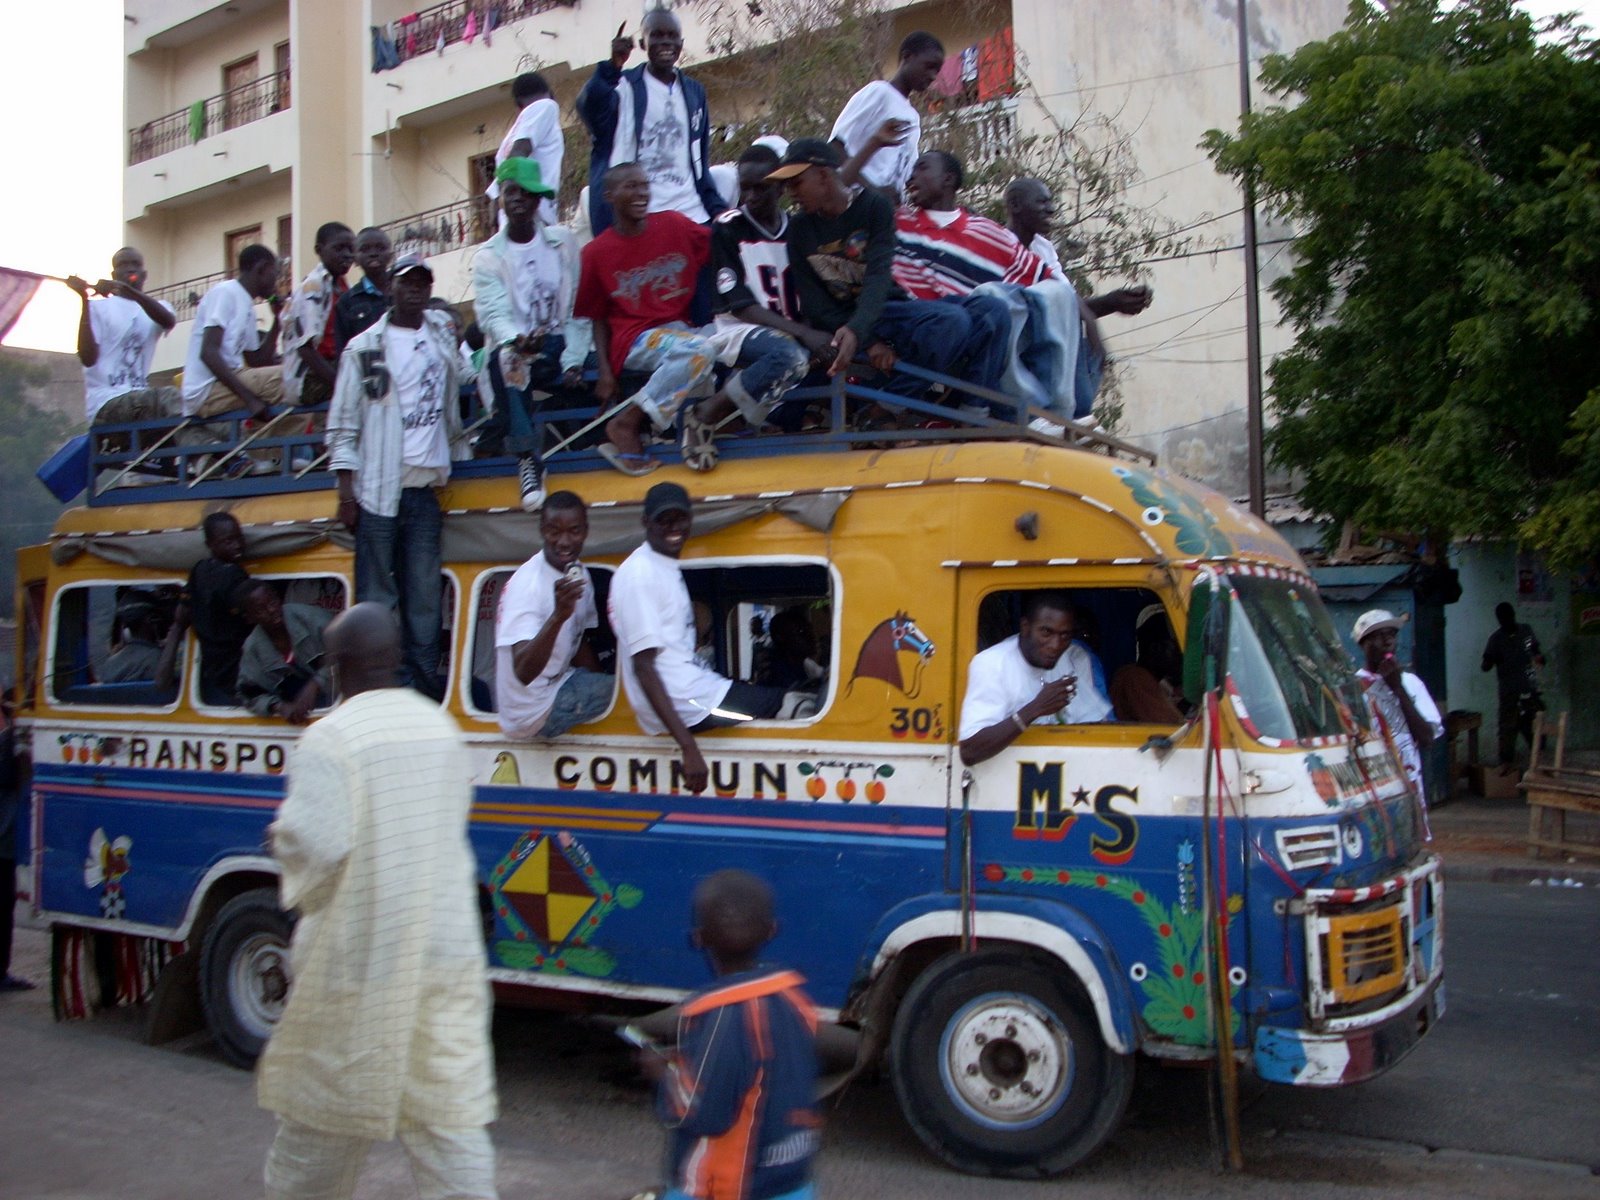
[257,120]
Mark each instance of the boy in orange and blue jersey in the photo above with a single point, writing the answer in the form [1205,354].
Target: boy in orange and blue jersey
[739,1094]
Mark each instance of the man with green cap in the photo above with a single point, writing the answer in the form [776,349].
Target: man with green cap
[524,279]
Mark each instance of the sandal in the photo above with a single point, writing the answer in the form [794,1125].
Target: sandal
[699,442]
[628,464]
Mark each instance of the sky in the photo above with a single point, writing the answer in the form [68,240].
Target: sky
[61,88]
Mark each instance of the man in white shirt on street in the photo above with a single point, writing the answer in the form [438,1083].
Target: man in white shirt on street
[1038,676]
[231,363]
[546,676]
[668,689]
[1405,711]
[117,336]
[393,426]
[385,1033]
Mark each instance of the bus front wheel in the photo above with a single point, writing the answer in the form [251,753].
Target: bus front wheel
[244,973]
[1000,1068]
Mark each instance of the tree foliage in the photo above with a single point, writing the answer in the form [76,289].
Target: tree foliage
[28,436]
[1438,160]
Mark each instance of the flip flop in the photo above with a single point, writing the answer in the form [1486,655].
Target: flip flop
[628,464]
[699,442]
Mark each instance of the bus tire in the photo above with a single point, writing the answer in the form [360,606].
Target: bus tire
[244,973]
[1000,1068]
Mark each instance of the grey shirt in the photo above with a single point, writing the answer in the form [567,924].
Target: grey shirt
[263,671]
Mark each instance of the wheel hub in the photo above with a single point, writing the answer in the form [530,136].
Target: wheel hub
[1006,1060]
[259,982]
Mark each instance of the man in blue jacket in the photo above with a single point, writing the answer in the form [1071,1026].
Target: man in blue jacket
[655,115]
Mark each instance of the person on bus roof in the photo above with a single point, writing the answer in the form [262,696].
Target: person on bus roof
[1039,676]
[841,252]
[654,621]
[206,604]
[547,677]
[117,336]
[310,345]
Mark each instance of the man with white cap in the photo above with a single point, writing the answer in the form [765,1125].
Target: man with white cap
[1400,701]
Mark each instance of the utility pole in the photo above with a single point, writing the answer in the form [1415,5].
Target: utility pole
[1252,297]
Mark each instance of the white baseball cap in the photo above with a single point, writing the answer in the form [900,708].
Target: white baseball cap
[1375,619]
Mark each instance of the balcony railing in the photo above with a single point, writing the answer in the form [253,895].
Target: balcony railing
[239,106]
[440,230]
[456,20]
[184,296]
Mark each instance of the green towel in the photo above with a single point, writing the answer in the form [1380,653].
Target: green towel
[197,120]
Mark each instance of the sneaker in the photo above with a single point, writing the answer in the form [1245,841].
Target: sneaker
[1047,427]
[530,481]
[699,442]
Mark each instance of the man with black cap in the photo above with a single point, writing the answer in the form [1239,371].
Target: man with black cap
[651,613]
[841,251]
[392,428]
[1400,701]
[524,279]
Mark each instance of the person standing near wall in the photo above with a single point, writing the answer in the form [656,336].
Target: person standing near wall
[1513,654]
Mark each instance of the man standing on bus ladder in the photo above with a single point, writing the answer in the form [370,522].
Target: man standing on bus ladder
[1039,676]
[670,692]
[386,1030]
[392,432]
[546,674]
[1405,710]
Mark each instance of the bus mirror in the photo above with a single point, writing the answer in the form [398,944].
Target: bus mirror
[1207,640]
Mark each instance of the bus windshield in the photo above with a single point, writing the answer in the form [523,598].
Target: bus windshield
[1293,676]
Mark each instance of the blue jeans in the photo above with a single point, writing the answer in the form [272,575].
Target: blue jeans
[584,697]
[770,363]
[967,336]
[512,420]
[398,564]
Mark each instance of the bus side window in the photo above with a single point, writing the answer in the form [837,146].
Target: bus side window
[107,642]
[319,598]
[769,624]
[480,698]
[1120,645]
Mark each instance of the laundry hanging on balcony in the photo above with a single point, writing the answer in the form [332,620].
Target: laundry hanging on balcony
[197,120]
[385,56]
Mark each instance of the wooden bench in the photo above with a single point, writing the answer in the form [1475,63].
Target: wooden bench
[1555,790]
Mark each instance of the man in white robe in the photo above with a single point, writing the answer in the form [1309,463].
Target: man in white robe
[386,1030]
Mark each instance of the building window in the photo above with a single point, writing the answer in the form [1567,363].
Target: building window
[280,73]
[234,241]
[480,694]
[480,174]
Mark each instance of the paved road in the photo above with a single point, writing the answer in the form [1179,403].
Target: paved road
[1499,1101]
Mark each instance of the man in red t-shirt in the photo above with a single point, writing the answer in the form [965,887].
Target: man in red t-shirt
[636,284]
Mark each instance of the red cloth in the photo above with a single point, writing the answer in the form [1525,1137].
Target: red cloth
[635,284]
[996,66]
[328,347]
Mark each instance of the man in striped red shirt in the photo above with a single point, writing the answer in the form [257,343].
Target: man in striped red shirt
[945,250]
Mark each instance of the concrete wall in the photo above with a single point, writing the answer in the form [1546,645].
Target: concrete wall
[1494,572]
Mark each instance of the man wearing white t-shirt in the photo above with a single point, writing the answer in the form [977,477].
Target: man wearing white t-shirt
[231,363]
[117,336]
[1404,709]
[654,115]
[546,679]
[1040,676]
[651,613]
[535,134]
[879,131]
[393,429]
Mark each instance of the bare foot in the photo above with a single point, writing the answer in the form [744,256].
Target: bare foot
[624,435]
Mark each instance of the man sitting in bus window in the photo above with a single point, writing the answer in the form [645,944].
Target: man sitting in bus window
[546,673]
[282,672]
[138,652]
[1150,689]
[206,603]
[654,622]
[1038,676]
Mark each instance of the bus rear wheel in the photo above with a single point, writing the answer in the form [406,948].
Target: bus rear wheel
[244,973]
[1000,1068]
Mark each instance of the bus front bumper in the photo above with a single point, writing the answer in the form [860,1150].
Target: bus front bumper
[1334,1059]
